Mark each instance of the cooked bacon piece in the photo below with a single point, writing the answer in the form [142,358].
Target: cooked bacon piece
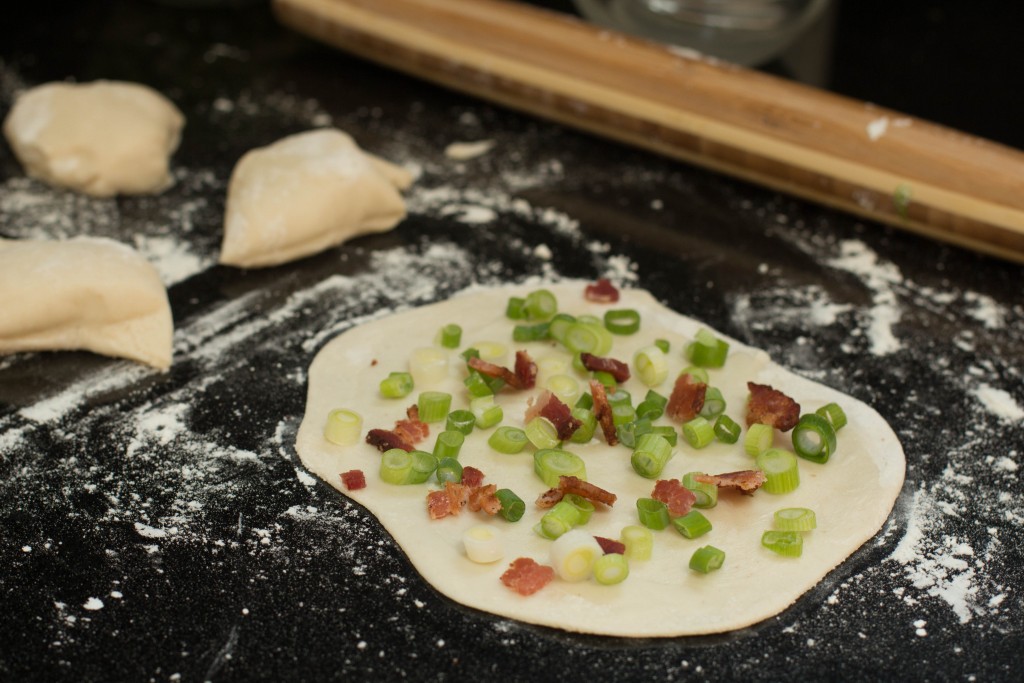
[448,501]
[610,545]
[353,480]
[526,370]
[687,398]
[771,407]
[601,292]
[677,497]
[526,577]
[603,412]
[744,481]
[471,476]
[385,440]
[549,498]
[616,368]
[595,494]
[484,498]
[493,370]
[548,406]
[412,429]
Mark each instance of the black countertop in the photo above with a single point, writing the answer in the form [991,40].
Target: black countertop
[159,527]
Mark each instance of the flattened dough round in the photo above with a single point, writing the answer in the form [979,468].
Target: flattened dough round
[101,138]
[83,293]
[852,494]
[306,193]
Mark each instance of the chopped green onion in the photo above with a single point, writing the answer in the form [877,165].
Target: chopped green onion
[423,465]
[451,336]
[651,364]
[726,429]
[526,333]
[343,427]
[653,514]
[587,337]
[448,469]
[629,431]
[835,415]
[814,438]
[565,387]
[508,440]
[707,350]
[395,466]
[514,308]
[651,454]
[512,506]
[559,519]
[541,432]
[698,375]
[707,559]
[785,543]
[434,405]
[622,413]
[653,405]
[585,401]
[692,525]
[461,420]
[582,505]
[780,470]
[428,365]
[552,463]
[493,352]
[759,438]
[610,569]
[706,494]
[482,544]
[559,326]
[795,519]
[448,444]
[663,344]
[588,423]
[486,412]
[588,319]
[396,385]
[605,378]
[666,432]
[619,397]
[639,542]
[622,320]
[698,432]
[540,305]
[477,385]
[714,404]
[573,555]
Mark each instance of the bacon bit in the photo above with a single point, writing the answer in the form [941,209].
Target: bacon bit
[616,368]
[550,407]
[594,494]
[484,498]
[610,545]
[744,481]
[373,363]
[549,498]
[471,476]
[603,412]
[677,497]
[687,398]
[448,501]
[493,370]
[353,480]
[771,407]
[601,292]
[406,434]
[385,440]
[526,577]
[526,370]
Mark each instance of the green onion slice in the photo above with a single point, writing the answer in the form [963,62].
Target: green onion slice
[759,438]
[707,559]
[653,514]
[726,429]
[698,375]
[835,415]
[552,463]
[652,407]
[540,305]
[663,344]
[423,465]
[707,350]
[706,494]
[565,387]
[451,336]
[588,424]
[434,405]
[582,505]
[629,432]
[573,555]
[343,427]
[512,506]
[698,432]
[781,472]
[514,308]
[396,385]
[559,326]
[507,440]
[692,525]
[622,320]
[461,420]
[785,543]
[527,333]
[795,519]
[639,542]
[588,337]
[714,404]
[486,412]
[542,433]
[448,444]
[651,454]
[610,569]
[814,438]
[448,469]
[562,517]
[396,466]
[477,385]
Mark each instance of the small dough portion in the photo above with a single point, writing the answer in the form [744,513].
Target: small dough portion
[84,293]
[101,138]
[306,193]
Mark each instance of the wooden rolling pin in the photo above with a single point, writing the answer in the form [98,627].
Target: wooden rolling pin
[864,159]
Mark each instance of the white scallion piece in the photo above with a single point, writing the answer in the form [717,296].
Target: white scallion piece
[573,555]
[483,544]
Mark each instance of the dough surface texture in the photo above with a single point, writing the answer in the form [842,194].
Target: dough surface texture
[84,293]
[852,494]
[101,138]
[306,193]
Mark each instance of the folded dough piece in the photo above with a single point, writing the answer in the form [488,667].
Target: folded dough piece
[306,193]
[101,138]
[83,293]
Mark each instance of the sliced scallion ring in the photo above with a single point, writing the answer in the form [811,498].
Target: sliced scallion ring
[610,569]
[698,432]
[396,385]
[814,438]
[785,543]
[726,429]
[835,415]
[508,440]
[651,365]
[653,513]
[343,427]
[692,525]
[512,506]
[622,321]
[540,305]
[714,404]
[781,472]
[552,463]
[434,405]
[541,432]
[707,350]
[759,438]
[795,519]
[639,541]
[451,336]
[707,559]
[706,494]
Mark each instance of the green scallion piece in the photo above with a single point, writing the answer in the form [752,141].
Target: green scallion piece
[663,344]
[552,463]
[666,432]
[605,378]
[588,337]
[396,466]
[651,454]
[781,472]
[512,506]
[486,412]
[706,494]
[726,429]
[692,525]
[639,542]
[652,407]
[559,326]
[707,559]
[835,415]
[588,424]
[623,413]
[562,517]
[785,543]
[343,427]
[477,385]
[622,320]
[508,440]
[619,397]
[585,401]
[540,305]
[514,308]
[565,387]
[541,432]
[448,444]
[451,336]
[814,438]
[759,438]
[528,333]
[423,465]
[707,350]
[629,432]
[461,420]
[448,469]
[434,405]
[610,569]
[698,375]
[714,403]
[396,385]
[698,432]
[653,514]
[795,519]
[582,505]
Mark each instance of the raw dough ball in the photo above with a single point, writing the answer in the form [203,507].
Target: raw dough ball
[101,138]
[84,293]
[306,193]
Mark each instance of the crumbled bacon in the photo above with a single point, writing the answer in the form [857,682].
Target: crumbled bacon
[616,368]
[603,412]
[687,398]
[610,545]
[526,370]
[484,498]
[471,476]
[385,440]
[353,480]
[595,494]
[406,434]
[549,498]
[548,406]
[448,501]
[526,577]
[771,407]
[601,292]
[510,378]
[744,481]
[677,497]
